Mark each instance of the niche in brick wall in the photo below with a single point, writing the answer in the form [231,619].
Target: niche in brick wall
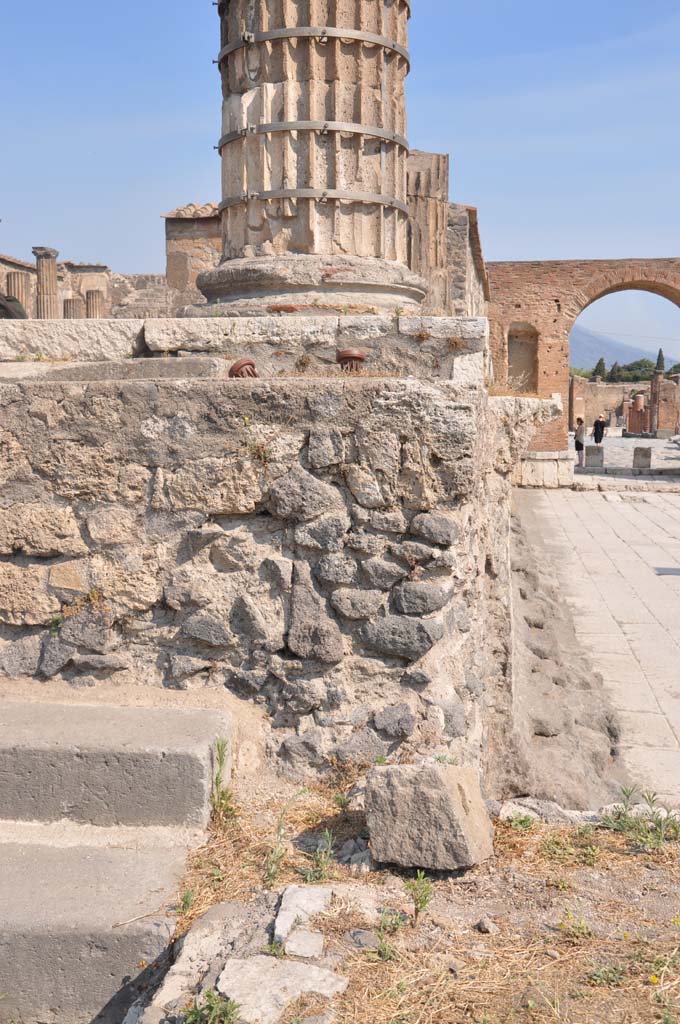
[523,358]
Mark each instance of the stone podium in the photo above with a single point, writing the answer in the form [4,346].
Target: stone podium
[314,153]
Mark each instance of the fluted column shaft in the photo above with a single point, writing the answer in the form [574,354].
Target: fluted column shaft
[314,154]
[47,294]
[19,285]
[94,304]
[74,309]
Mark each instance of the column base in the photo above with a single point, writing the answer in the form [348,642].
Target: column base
[548,470]
[314,285]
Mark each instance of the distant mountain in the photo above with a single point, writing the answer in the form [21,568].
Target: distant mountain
[587,347]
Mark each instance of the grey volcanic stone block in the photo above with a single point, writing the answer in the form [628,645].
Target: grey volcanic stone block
[402,637]
[300,496]
[438,527]
[107,765]
[427,816]
[313,633]
[422,598]
[78,921]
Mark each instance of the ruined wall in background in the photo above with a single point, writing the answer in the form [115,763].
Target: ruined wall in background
[468,282]
[336,551]
[428,197]
[193,244]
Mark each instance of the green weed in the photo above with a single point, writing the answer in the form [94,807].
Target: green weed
[320,860]
[422,891]
[212,1009]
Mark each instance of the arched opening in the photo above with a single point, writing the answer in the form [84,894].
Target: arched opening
[523,342]
[625,361]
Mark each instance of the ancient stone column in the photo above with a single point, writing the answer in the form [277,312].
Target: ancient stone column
[47,295]
[314,200]
[74,309]
[94,301]
[19,285]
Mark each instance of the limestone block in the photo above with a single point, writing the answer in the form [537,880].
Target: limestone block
[300,904]
[594,456]
[263,986]
[86,340]
[40,531]
[25,599]
[213,485]
[326,448]
[110,527]
[642,458]
[565,473]
[428,816]
[242,336]
[469,370]
[364,487]
[468,333]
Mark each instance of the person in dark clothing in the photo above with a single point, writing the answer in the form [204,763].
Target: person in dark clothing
[599,429]
[11,308]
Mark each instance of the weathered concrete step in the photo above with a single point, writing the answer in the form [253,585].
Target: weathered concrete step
[107,765]
[82,912]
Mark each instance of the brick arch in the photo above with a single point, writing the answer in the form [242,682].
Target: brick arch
[634,278]
[550,295]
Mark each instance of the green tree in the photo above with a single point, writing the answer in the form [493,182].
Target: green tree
[660,362]
[601,368]
[641,369]
[614,376]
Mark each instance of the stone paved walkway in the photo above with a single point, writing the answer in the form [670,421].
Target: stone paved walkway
[616,558]
[618,451]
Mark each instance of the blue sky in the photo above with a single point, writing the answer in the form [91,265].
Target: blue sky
[561,121]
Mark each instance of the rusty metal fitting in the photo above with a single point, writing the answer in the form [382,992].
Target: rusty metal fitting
[351,360]
[243,368]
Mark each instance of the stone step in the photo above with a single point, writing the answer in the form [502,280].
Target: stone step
[84,913]
[105,765]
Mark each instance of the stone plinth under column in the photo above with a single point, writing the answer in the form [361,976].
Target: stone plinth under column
[308,285]
[48,294]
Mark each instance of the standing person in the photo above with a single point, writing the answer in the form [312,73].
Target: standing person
[599,429]
[580,439]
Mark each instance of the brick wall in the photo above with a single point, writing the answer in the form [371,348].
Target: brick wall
[549,296]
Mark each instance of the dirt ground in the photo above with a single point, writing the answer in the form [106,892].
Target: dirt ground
[583,923]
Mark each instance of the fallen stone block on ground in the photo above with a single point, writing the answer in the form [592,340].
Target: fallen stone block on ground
[428,816]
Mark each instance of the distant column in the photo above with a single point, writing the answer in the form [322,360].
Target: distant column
[19,285]
[74,309]
[94,304]
[48,296]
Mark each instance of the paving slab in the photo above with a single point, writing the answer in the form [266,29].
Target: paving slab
[106,765]
[80,921]
[604,551]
